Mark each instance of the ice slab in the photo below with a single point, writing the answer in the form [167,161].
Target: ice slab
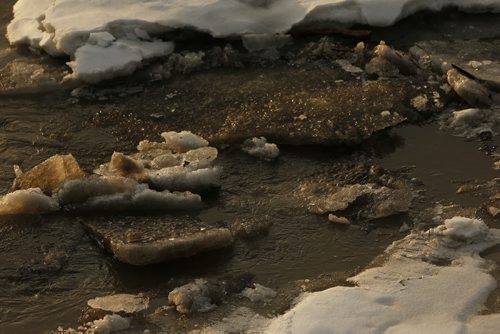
[142,240]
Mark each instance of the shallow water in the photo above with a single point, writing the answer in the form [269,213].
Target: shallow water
[50,266]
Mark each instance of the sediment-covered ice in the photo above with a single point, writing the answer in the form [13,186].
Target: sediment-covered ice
[68,27]
[409,294]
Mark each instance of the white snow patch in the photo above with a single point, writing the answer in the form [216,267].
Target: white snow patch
[111,323]
[260,148]
[65,25]
[408,294]
[103,59]
[28,201]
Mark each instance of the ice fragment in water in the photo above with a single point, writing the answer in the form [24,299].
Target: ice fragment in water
[260,148]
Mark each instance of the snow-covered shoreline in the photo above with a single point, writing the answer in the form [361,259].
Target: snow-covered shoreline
[112,38]
[409,294]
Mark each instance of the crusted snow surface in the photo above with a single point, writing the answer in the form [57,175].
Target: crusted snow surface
[260,148]
[27,201]
[65,26]
[409,294]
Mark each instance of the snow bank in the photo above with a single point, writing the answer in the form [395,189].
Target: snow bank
[408,294]
[67,26]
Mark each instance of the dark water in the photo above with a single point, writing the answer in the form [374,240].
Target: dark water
[50,266]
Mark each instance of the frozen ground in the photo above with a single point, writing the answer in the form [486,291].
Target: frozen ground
[113,38]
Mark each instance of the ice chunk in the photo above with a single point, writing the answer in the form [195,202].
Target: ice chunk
[474,122]
[198,296]
[260,148]
[126,166]
[468,89]
[183,141]
[78,191]
[120,303]
[111,323]
[105,60]
[166,160]
[141,198]
[49,174]
[152,239]
[259,294]
[27,202]
[462,229]
[200,157]
[181,179]
[381,201]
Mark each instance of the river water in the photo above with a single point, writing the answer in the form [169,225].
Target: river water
[50,266]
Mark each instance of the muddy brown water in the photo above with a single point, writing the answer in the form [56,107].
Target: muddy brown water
[50,266]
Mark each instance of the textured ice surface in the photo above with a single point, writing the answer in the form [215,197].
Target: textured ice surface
[408,294]
[120,303]
[68,26]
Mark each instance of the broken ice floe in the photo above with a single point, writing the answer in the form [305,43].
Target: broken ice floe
[375,201]
[198,296]
[260,148]
[124,183]
[148,240]
[126,303]
[113,38]
[408,292]
[49,174]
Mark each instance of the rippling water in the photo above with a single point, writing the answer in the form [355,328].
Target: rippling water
[50,266]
